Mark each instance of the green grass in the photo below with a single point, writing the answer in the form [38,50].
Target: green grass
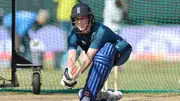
[149,76]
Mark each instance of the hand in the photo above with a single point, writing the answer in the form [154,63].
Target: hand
[72,73]
[67,74]
[68,81]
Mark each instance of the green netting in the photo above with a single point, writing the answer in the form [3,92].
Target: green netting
[156,11]
[140,74]
[5,6]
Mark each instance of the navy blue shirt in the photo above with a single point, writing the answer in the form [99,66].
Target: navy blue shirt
[96,38]
[24,21]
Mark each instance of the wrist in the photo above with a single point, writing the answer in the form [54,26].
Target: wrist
[77,75]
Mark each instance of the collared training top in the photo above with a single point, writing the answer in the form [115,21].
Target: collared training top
[96,38]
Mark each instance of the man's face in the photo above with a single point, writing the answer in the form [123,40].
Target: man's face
[82,23]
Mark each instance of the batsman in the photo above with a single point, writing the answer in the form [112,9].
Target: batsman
[102,49]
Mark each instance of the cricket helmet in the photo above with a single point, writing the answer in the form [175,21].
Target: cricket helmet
[81,9]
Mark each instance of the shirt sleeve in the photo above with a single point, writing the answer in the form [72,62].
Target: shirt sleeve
[7,21]
[28,20]
[72,42]
[97,39]
[24,21]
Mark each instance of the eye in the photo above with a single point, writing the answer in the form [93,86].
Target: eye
[82,18]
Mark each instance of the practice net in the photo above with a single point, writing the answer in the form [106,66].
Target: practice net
[152,27]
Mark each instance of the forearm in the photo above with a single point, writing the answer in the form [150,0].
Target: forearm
[85,63]
[87,59]
[70,62]
[82,70]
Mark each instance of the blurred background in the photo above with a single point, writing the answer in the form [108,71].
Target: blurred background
[152,27]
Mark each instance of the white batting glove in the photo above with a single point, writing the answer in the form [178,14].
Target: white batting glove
[68,81]
[73,72]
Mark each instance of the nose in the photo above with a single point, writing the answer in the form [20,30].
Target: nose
[79,22]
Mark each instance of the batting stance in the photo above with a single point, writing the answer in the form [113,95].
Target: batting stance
[103,50]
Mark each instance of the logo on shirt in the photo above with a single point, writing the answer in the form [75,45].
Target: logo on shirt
[83,42]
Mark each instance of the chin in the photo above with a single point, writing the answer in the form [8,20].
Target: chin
[82,29]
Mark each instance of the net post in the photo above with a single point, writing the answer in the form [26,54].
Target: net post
[13,63]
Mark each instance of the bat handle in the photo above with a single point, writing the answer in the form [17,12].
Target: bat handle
[116,78]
